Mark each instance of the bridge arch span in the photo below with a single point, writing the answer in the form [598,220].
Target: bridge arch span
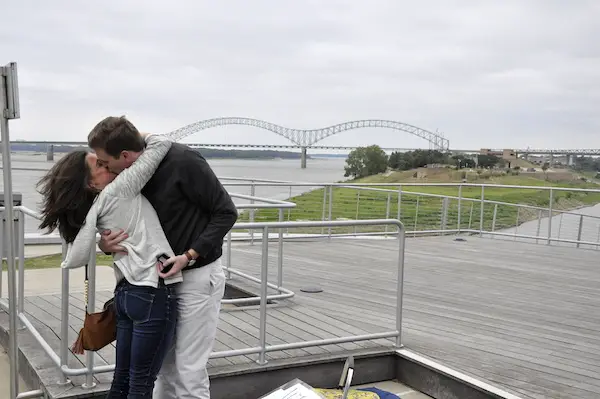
[307,137]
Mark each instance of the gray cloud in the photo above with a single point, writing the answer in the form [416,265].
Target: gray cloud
[486,73]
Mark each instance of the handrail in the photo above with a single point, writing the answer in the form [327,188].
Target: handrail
[265,201]
[263,348]
[453,197]
[375,187]
[60,360]
[282,292]
[281,205]
[349,184]
[400,189]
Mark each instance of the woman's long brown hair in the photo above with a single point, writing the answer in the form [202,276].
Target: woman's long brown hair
[67,195]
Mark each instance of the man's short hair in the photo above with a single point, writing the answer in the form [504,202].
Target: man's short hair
[115,134]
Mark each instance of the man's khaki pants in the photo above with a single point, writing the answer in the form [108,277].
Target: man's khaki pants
[183,374]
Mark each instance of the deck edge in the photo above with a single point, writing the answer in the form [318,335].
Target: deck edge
[424,384]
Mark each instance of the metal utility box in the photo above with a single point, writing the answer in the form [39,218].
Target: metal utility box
[17,201]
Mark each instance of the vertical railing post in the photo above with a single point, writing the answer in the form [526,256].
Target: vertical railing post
[494,219]
[517,223]
[264,276]
[64,318]
[459,208]
[400,203]
[471,215]
[251,215]
[280,253]
[400,284]
[444,217]
[289,212]
[357,210]
[416,215]
[2,239]
[387,211]
[481,211]
[329,218]
[550,205]
[9,109]
[560,221]
[579,231]
[325,191]
[228,272]
[21,254]
[539,226]
[91,308]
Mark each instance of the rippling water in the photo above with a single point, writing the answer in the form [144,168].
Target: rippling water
[28,168]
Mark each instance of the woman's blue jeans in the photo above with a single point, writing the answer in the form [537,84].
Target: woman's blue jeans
[146,318]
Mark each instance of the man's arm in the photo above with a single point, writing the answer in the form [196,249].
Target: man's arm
[201,186]
[130,181]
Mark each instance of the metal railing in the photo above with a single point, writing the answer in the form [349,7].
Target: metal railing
[60,359]
[18,232]
[551,215]
[255,203]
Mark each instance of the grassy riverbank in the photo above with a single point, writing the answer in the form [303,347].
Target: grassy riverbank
[424,208]
[53,261]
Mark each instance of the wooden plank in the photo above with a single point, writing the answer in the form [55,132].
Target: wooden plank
[507,308]
[275,335]
[518,315]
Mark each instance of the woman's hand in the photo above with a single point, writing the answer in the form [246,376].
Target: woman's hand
[178,262]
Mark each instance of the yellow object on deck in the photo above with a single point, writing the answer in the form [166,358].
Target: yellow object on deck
[352,394]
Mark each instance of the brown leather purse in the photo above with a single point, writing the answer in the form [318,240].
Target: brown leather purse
[99,329]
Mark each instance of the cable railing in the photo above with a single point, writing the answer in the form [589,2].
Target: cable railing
[19,252]
[60,359]
[551,215]
[255,203]
[251,204]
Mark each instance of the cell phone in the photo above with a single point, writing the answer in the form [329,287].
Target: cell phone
[162,258]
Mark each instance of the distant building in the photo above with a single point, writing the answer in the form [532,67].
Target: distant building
[506,154]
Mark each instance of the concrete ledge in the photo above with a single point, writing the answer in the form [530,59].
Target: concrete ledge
[441,382]
[320,371]
[26,370]
[248,381]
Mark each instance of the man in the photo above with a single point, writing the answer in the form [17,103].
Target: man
[195,212]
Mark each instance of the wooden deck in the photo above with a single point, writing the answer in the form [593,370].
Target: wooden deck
[523,317]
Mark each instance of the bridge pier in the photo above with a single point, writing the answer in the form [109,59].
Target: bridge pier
[50,152]
[303,158]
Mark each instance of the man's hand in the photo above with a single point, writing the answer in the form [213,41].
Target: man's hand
[109,241]
[178,262]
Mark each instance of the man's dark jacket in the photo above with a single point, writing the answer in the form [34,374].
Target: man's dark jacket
[194,208]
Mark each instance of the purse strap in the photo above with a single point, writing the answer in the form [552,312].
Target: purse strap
[86,284]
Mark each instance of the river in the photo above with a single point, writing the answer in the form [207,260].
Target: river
[28,168]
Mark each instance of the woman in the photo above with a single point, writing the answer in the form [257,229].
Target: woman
[80,198]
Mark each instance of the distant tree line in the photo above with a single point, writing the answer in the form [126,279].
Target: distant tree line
[206,152]
[367,161]
[588,164]
[416,159]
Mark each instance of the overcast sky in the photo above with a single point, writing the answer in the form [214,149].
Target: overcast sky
[510,73]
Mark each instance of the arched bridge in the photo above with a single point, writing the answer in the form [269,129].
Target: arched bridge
[307,137]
